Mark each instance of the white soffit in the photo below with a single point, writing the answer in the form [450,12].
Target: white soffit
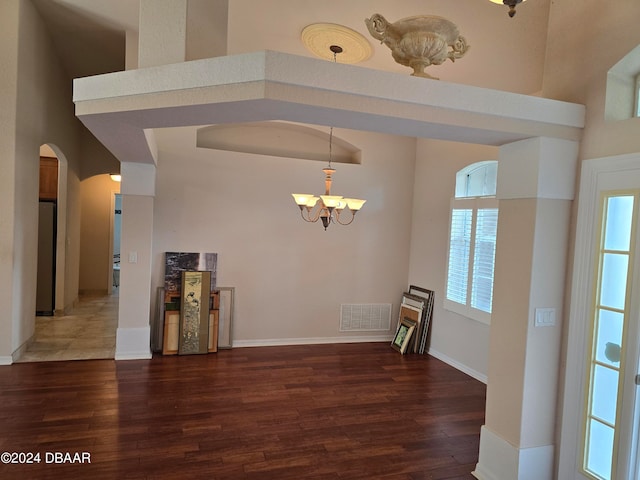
[118,107]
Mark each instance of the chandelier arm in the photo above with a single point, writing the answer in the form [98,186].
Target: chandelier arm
[317,214]
[302,210]
[311,218]
[337,218]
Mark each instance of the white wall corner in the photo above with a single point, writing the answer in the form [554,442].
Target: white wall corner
[21,350]
[150,136]
[133,343]
[138,178]
[131,50]
[538,167]
[499,460]
[558,169]
[162,28]
[4,360]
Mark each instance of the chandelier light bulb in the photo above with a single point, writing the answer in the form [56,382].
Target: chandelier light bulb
[302,199]
[355,204]
[312,202]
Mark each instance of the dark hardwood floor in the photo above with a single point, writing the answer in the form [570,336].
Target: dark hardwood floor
[350,411]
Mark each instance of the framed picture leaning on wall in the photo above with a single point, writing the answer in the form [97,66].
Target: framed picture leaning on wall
[194,313]
[403,335]
[427,314]
[225,316]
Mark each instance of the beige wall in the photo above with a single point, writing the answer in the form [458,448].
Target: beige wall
[96,198]
[9,12]
[96,159]
[44,114]
[603,36]
[454,338]
[290,276]
[586,39]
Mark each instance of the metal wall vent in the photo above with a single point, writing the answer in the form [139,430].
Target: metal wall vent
[365,317]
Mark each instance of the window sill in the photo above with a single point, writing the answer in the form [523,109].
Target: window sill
[468,312]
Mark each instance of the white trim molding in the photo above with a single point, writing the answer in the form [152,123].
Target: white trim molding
[481,377]
[4,360]
[133,343]
[499,460]
[19,352]
[275,342]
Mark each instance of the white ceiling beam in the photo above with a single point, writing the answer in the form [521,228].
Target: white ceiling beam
[118,107]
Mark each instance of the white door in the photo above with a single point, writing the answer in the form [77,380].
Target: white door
[600,416]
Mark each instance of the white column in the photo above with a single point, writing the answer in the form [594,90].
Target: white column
[162,32]
[10,270]
[173,31]
[207,22]
[161,40]
[136,240]
[131,50]
[536,180]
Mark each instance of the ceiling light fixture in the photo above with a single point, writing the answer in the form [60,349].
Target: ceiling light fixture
[509,3]
[329,207]
[320,37]
[116,177]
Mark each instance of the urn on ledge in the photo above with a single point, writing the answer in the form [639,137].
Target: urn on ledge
[419,41]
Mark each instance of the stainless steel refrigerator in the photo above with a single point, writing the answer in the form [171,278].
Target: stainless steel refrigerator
[46,284]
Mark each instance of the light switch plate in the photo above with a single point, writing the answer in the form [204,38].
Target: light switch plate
[545,317]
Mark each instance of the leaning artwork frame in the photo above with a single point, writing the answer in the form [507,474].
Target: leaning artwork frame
[225,316]
[178,262]
[171,322]
[413,312]
[427,314]
[403,335]
[194,313]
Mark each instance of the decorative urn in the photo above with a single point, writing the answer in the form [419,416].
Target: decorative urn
[419,41]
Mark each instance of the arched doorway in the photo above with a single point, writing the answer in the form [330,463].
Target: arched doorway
[50,294]
[80,324]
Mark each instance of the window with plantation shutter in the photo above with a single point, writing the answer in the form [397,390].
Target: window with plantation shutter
[472,242]
[459,249]
[484,258]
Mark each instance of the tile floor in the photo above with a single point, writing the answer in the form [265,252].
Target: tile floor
[88,332]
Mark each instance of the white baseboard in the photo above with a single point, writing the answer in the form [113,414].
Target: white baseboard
[458,366]
[5,360]
[499,460]
[21,349]
[309,341]
[133,343]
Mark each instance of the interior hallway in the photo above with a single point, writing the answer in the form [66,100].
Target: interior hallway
[88,332]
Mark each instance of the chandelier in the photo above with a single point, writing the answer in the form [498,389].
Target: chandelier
[327,208]
[511,4]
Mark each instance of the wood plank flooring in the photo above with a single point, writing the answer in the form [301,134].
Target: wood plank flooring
[316,412]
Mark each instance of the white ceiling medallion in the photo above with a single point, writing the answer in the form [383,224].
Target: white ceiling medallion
[319,37]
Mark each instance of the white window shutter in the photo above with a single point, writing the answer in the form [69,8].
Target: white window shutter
[459,250]
[484,259]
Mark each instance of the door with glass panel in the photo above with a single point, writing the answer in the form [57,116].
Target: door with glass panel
[608,421]
[600,415]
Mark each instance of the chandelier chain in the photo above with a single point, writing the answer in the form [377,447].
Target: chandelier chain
[330,145]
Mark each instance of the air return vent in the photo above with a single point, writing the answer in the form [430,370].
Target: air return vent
[365,317]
